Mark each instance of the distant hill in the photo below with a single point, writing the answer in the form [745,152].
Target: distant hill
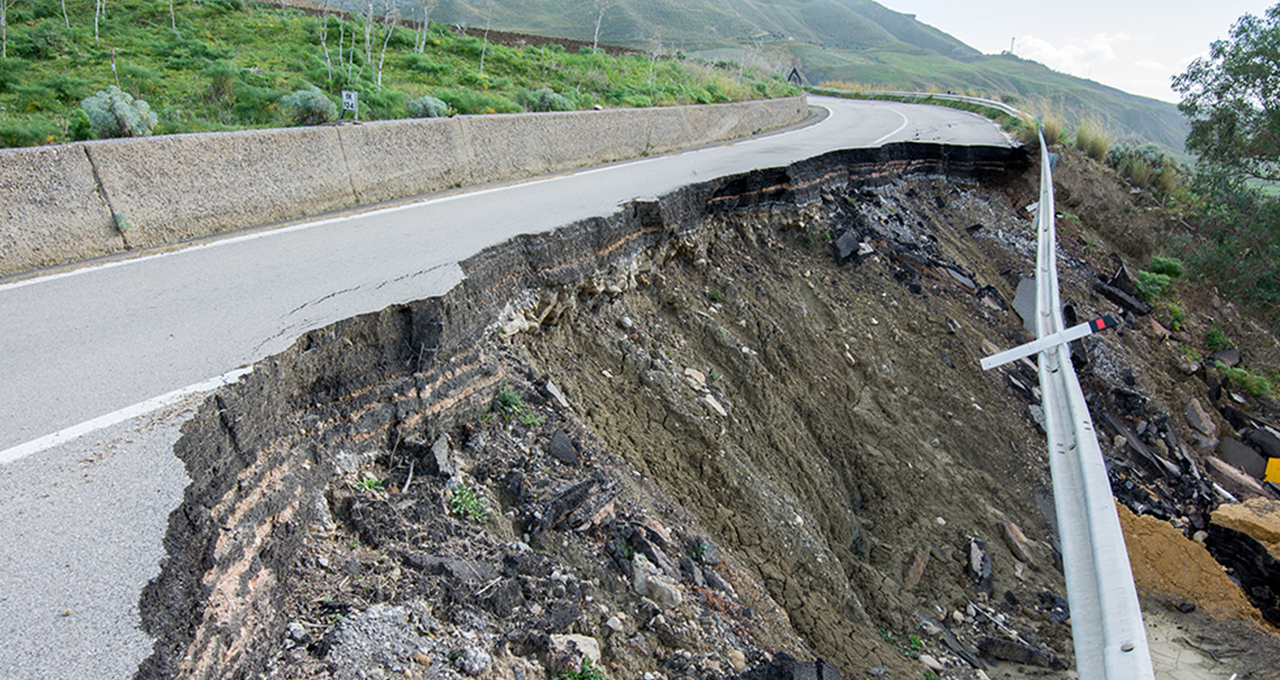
[853,41]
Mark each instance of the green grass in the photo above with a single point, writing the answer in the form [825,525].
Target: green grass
[464,502]
[228,64]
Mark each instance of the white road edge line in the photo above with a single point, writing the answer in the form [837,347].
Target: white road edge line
[127,413]
[905,123]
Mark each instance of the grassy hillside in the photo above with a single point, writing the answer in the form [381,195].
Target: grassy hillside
[223,64]
[849,41]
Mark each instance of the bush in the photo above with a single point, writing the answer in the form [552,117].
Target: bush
[428,107]
[1169,266]
[1144,165]
[1092,139]
[545,99]
[114,113]
[33,132]
[424,64]
[80,129]
[470,101]
[222,77]
[1152,286]
[309,107]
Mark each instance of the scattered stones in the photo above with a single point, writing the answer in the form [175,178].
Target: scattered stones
[474,661]
[715,405]
[562,449]
[932,663]
[614,624]
[737,660]
[577,644]
[1229,356]
[1235,452]
[1018,544]
[917,569]
[1007,650]
[441,460]
[648,583]
[1199,419]
[557,395]
[980,566]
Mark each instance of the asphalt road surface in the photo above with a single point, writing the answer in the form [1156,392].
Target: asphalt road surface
[102,364]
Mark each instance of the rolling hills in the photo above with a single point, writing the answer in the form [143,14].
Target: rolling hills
[857,42]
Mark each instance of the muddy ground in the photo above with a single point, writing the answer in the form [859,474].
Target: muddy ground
[723,447]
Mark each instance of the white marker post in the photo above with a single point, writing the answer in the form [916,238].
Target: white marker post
[1037,346]
[351,102]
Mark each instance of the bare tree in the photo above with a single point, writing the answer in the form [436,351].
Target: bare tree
[4,27]
[485,47]
[421,45]
[655,51]
[65,20]
[394,14]
[324,40]
[602,5]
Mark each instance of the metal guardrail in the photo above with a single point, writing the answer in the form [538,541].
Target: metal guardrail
[1106,619]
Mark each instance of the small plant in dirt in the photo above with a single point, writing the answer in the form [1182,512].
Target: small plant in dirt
[115,113]
[715,295]
[309,106]
[369,483]
[464,502]
[509,404]
[698,550]
[1254,384]
[587,671]
[1215,339]
[914,646]
[1153,285]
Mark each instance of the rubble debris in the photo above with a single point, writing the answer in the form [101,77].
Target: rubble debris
[1018,545]
[1008,650]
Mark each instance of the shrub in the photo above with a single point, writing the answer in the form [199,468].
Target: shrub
[309,107]
[1092,138]
[80,129]
[1169,266]
[1144,165]
[545,99]
[424,64]
[114,113]
[222,77]
[1215,340]
[1152,286]
[32,132]
[67,88]
[1051,127]
[34,98]
[428,107]
[470,101]
[11,71]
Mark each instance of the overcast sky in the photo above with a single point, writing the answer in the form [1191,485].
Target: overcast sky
[1133,45]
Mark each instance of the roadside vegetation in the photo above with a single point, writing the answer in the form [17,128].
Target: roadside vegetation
[209,65]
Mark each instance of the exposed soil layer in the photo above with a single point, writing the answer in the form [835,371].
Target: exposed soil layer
[729,433]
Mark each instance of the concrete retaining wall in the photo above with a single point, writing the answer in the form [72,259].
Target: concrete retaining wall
[76,201]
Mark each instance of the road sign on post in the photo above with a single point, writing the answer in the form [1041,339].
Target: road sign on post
[350,102]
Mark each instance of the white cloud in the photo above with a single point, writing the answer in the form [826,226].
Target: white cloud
[1072,55]
[1150,64]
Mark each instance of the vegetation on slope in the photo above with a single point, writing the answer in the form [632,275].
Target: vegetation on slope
[222,64]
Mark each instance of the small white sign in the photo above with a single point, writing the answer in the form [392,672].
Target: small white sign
[349,101]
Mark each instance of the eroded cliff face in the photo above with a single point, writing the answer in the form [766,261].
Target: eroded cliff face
[715,433]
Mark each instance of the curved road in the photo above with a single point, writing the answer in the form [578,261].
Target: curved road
[94,360]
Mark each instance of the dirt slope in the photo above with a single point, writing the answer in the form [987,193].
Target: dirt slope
[723,435]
